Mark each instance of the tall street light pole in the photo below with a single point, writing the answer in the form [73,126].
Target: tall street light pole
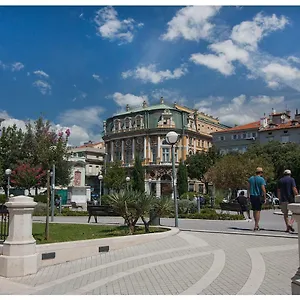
[100,177]
[172,139]
[53,193]
[8,173]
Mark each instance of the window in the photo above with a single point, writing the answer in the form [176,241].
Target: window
[118,155]
[166,154]
[254,134]
[222,138]
[270,138]
[138,122]
[127,123]
[285,138]
[244,135]
[127,156]
[154,154]
[234,137]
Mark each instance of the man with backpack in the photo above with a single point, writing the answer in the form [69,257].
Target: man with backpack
[286,193]
[257,194]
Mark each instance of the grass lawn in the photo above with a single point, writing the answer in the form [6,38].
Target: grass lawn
[77,232]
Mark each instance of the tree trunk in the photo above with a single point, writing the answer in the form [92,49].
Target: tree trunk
[146,224]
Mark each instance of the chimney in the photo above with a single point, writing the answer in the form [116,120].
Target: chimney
[127,107]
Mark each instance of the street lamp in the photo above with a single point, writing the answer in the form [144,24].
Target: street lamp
[127,182]
[172,139]
[52,174]
[100,177]
[150,181]
[8,173]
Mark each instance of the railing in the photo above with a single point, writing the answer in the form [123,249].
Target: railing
[4,220]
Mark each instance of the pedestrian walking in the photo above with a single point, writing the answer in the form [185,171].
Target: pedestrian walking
[257,194]
[244,204]
[286,193]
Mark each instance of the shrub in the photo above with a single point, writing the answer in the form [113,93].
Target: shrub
[188,195]
[2,198]
[211,214]
[40,198]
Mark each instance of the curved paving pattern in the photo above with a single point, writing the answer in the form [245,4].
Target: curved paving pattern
[189,263]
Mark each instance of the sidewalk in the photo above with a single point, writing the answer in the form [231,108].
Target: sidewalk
[187,263]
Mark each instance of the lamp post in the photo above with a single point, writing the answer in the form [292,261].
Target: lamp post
[172,139]
[8,173]
[150,181]
[127,182]
[52,174]
[100,177]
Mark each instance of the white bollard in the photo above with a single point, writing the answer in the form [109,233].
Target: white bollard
[19,249]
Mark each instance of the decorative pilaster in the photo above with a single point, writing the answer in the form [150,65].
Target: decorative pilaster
[133,149]
[158,148]
[122,151]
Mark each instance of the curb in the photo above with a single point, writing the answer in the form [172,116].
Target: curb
[291,236]
[281,214]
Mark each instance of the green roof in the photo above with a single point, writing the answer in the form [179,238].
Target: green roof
[148,108]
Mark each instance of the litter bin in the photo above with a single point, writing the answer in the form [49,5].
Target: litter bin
[155,220]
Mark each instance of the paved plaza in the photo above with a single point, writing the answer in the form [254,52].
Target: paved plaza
[190,262]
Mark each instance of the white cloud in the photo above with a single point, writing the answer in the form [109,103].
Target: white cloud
[207,102]
[230,51]
[43,86]
[133,101]
[294,59]
[17,66]
[219,63]
[242,109]
[150,74]
[41,73]
[262,99]
[97,78]
[87,117]
[250,33]
[110,27]
[275,71]
[3,65]
[169,95]
[191,23]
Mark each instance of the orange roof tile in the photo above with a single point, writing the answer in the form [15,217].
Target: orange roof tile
[253,125]
[287,125]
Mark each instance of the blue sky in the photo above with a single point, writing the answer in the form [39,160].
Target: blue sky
[79,65]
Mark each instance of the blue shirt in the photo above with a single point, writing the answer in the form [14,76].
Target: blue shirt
[255,185]
[286,185]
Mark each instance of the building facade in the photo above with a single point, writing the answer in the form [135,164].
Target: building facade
[142,132]
[88,162]
[236,139]
[279,127]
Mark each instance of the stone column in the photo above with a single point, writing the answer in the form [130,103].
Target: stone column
[295,208]
[19,250]
[122,151]
[158,148]
[145,148]
[158,188]
[133,148]
[111,151]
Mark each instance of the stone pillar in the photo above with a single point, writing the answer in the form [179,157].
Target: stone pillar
[295,208]
[133,148]
[158,188]
[111,151]
[158,148]
[145,148]
[122,151]
[19,250]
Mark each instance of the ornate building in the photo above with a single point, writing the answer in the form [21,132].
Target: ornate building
[142,132]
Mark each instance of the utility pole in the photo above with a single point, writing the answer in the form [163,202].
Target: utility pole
[47,208]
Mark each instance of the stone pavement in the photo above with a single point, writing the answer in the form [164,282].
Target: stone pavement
[187,263]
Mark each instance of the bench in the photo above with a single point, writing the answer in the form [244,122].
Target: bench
[99,210]
[231,206]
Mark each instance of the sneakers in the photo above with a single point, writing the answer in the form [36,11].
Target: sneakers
[290,229]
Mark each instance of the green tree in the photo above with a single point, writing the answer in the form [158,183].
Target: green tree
[182,178]
[138,183]
[233,170]
[115,178]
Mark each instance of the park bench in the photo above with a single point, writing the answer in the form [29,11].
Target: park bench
[99,210]
[230,206]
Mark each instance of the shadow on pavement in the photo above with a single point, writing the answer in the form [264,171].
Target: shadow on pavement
[261,229]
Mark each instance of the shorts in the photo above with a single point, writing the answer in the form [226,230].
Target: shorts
[284,208]
[255,203]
